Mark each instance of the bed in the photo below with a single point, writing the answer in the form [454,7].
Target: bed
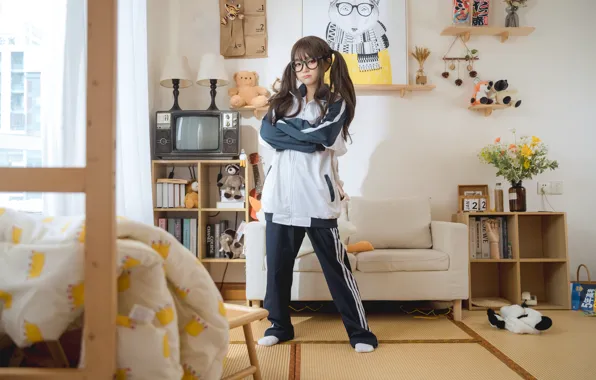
[102,250]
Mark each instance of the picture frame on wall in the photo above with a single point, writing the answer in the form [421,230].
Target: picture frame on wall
[371,35]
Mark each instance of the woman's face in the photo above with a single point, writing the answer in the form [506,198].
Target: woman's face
[307,70]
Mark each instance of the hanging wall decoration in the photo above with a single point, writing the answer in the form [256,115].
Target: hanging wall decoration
[471,55]
[243,29]
[480,10]
[371,35]
[461,12]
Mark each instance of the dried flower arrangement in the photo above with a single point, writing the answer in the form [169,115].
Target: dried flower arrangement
[421,55]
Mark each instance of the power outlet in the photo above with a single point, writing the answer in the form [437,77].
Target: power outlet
[550,188]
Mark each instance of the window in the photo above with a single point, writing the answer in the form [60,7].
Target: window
[23,42]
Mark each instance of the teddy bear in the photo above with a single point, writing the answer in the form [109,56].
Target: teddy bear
[232,182]
[246,92]
[191,200]
[519,319]
[505,96]
[482,93]
[231,249]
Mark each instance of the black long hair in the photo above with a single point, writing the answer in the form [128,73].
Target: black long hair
[340,82]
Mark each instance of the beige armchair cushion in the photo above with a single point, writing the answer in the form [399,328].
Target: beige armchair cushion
[392,223]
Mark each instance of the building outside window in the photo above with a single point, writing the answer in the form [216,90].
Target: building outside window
[21,80]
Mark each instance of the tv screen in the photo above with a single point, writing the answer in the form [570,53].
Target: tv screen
[197,133]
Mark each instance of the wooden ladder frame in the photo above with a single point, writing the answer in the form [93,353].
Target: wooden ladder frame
[97,181]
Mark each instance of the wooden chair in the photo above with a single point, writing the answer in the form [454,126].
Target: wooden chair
[239,315]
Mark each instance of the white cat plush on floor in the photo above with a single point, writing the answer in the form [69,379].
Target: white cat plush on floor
[519,319]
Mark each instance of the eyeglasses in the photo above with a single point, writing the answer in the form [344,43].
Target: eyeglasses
[346,9]
[311,63]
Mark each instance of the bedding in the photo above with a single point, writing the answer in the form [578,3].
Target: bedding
[171,321]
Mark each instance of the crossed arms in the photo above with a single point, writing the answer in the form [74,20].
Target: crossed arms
[300,135]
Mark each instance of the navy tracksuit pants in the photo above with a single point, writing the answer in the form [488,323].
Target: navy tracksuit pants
[283,243]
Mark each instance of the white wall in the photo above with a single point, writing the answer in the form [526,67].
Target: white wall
[401,146]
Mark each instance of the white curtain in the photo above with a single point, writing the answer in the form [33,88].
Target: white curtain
[64,102]
[133,166]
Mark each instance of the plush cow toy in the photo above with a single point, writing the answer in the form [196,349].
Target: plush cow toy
[519,319]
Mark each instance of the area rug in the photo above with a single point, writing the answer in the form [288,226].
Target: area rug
[414,348]
[388,328]
[565,351]
[402,361]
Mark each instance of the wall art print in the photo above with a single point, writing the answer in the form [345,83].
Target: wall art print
[371,35]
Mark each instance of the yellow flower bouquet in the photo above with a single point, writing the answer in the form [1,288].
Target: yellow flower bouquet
[519,160]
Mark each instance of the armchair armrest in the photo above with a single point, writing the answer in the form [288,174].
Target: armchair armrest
[452,238]
[254,249]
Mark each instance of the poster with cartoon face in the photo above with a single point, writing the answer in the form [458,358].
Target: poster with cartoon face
[371,35]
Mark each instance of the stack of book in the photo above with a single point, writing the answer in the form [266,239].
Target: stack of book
[170,193]
[479,243]
[213,232]
[184,230]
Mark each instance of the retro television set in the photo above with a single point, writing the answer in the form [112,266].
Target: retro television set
[197,134]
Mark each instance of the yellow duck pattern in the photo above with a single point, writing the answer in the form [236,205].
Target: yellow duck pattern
[189,372]
[6,298]
[161,247]
[76,295]
[122,374]
[32,332]
[36,264]
[17,233]
[124,281]
[189,304]
[165,315]
[195,327]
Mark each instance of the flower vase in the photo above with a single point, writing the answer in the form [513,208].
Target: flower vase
[512,19]
[421,76]
[517,197]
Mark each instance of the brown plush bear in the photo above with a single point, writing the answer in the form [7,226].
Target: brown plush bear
[246,92]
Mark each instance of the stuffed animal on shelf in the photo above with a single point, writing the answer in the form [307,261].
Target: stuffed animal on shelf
[505,96]
[191,200]
[482,93]
[232,182]
[276,86]
[519,319]
[231,248]
[232,13]
[247,92]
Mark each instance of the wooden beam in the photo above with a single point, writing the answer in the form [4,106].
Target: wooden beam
[56,180]
[99,333]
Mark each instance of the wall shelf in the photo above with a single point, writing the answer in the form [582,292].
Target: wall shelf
[487,108]
[401,88]
[258,112]
[504,32]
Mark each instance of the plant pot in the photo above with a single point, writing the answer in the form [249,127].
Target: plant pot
[517,197]
[512,19]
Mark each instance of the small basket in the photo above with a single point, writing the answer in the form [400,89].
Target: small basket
[577,281]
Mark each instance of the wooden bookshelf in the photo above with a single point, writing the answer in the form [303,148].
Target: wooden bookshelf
[206,172]
[539,263]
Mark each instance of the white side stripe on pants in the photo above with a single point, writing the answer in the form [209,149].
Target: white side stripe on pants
[348,278]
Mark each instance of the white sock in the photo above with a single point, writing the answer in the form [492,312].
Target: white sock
[268,340]
[363,347]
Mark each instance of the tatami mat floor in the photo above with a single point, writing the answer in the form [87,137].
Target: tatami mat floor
[416,348]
